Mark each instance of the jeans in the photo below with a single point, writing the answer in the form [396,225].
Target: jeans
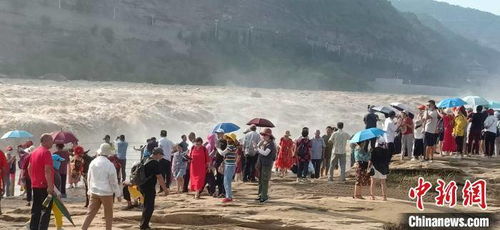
[489,141]
[302,169]
[123,163]
[166,171]
[407,144]
[40,216]
[341,160]
[317,166]
[265,176]
[229,171]
[148,208]
[249,168]
[95,205]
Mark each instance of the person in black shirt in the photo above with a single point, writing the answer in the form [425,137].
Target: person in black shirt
[370,121]
[153,175]
[476,126]
[380,160]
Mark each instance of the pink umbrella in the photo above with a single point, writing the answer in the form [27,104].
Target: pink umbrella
[61,137]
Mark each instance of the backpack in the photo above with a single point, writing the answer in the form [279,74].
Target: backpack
[138,173]
[303,148]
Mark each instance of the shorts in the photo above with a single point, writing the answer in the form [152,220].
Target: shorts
[430,139]
[378,175]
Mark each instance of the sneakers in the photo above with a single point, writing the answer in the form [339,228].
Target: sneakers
[227,200]
[413,159]
[263,201]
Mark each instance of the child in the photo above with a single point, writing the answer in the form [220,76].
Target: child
[229,155]
[179,166]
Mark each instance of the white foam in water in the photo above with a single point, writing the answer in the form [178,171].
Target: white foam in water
[140,111]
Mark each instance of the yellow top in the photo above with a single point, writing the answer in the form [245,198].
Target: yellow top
[460,126]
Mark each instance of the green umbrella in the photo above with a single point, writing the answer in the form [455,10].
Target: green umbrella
[59,204]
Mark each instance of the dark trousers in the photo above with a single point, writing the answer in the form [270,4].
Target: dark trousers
[460,144]
[185,186]
[123,163]
[391,147]
[489,143]
[29,191]
[149,206]
[474,140]
[63,183]
[86,191]
[126,194]
[40,216]
[249,169]
[302,169]
[210,183]
[317,166]
[166,171]
[219,182]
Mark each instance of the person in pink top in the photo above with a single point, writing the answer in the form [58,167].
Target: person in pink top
[42,181]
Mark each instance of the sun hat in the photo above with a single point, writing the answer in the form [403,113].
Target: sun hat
[267,132]
[105,150]
[231,136]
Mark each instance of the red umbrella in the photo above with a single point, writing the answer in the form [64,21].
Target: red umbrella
[261,122]
[61,137]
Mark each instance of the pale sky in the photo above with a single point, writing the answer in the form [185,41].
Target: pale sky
[492,6]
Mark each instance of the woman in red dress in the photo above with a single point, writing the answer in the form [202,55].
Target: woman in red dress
[449,145]
[199,166]
[284,160]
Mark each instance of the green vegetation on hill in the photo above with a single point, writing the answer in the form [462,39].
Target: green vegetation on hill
[321,44]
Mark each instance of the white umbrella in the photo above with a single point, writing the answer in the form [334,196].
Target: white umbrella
[474,101]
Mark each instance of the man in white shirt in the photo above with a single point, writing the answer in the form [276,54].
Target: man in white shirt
[252,138]
[166,163]
[430,130]
[103,184]
[339,140]
[490,133]
[390,132]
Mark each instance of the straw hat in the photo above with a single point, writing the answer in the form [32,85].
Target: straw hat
[267,132]
[232,137]
[105,150]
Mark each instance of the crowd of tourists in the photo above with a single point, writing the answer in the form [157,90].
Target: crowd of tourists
[209,167]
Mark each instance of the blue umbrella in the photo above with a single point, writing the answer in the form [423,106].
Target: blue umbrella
[451,102]
[367,134]
[475,101]
[494,104]
[225,128]
[17,134]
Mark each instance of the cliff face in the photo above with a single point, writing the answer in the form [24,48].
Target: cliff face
[327,44]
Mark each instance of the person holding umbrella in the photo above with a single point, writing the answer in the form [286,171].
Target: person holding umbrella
[251,139]
[267,155]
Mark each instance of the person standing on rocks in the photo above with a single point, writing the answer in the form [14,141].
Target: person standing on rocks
[339,141]
[121,151]
[103,185]
[251,139]
[166,163]
[148,189]
[267,156]
[303,155]
[325,166]
[41,172]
